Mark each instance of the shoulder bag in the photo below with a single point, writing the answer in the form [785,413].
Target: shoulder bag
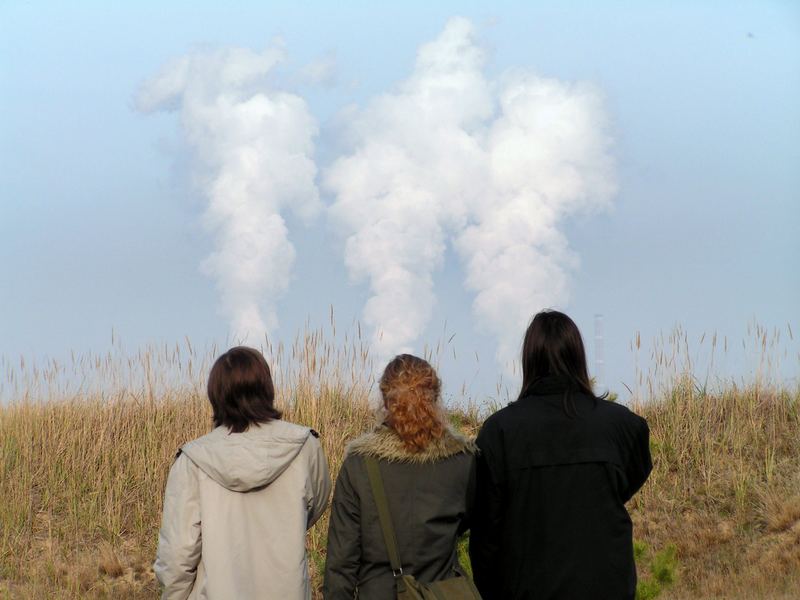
[408,588]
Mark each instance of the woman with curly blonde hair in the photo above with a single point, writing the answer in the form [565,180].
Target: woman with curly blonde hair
[425,468]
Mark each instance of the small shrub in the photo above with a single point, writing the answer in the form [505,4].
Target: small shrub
[463,554]
[661,567]
[664,565]
[647,589]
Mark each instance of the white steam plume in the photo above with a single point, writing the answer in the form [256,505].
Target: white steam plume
[492,167]
[253,158]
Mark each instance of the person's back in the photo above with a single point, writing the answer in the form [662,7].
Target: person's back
[239,500]
[426,490]
[553,475]
[252,497]
[562,531]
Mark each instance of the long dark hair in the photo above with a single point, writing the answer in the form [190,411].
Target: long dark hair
[553,347]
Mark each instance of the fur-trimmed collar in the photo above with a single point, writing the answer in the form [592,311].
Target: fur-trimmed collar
[384,443]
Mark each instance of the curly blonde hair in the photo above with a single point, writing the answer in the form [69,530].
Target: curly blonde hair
[410,390]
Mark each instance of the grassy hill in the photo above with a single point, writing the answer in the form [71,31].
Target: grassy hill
[82,475]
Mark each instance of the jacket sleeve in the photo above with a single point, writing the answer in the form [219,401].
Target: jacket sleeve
[487,509]
[344,539]
[639,463]
[319,488]
[179,542]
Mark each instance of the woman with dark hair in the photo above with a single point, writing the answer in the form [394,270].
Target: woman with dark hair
[239,500]
[425,471]
[555,470]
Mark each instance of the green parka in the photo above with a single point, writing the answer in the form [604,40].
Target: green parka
[427,494]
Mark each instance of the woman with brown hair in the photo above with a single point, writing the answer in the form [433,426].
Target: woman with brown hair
[425,469]
[240,499]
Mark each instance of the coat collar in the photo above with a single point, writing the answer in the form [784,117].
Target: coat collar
[384,443]
[550,384]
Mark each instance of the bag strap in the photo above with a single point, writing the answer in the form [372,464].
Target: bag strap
[385,517]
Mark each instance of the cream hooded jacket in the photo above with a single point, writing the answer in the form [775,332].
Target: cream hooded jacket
[236,510]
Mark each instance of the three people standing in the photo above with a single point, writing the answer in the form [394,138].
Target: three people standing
[544,492]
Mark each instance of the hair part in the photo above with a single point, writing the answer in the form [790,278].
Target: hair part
[553,347]
[240,390]
[411,388]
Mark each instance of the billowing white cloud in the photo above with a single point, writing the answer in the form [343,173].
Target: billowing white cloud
[547,153]
[252,149]
[449,157]
[492,167]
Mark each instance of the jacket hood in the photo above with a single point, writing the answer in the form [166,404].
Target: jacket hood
[248,460]
[384,443]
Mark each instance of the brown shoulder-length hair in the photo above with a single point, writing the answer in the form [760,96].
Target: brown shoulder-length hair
[240,390]
[410,388]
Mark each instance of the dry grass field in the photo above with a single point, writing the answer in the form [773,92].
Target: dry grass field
[82,471]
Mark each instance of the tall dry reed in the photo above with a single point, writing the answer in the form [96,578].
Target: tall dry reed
[83,466]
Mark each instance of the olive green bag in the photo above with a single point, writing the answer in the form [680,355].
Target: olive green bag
[408,588]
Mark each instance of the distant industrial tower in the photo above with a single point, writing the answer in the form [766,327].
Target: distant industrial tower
[599,362]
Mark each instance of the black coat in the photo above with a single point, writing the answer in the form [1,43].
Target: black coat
[549,518]
[427,495]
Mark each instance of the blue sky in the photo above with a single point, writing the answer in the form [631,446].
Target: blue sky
[100,224]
